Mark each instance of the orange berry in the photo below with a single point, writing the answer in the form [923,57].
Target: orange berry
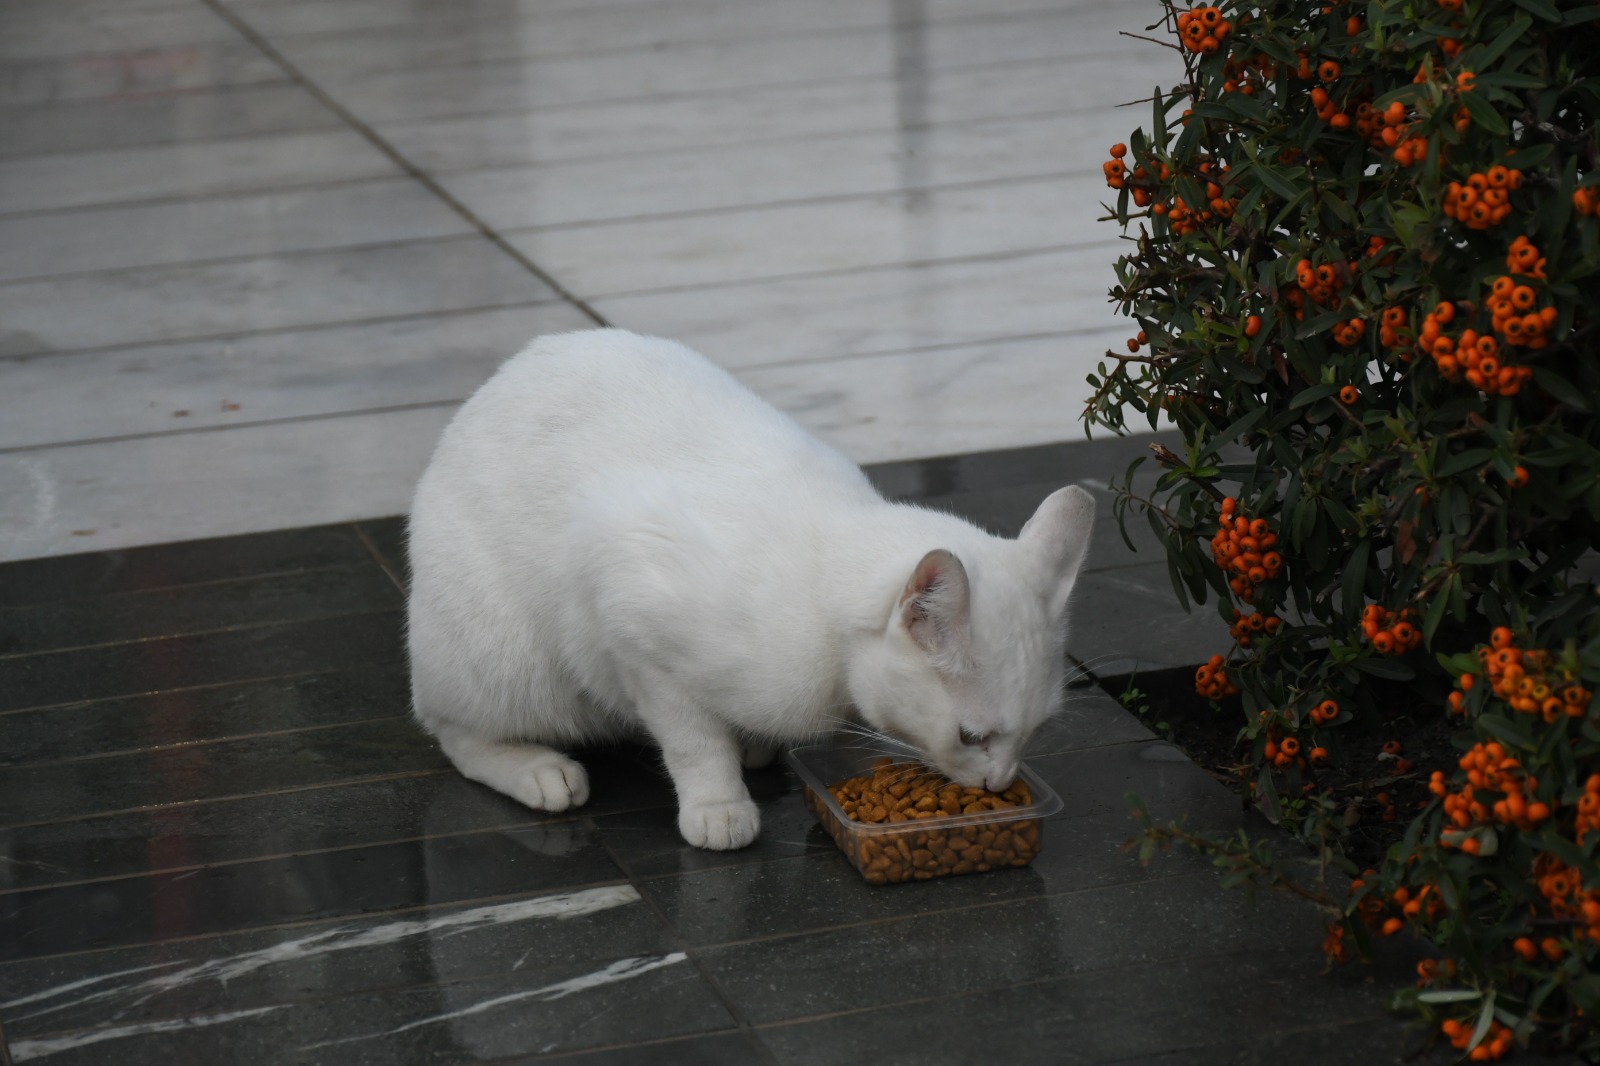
[1349,395]
[1328,71]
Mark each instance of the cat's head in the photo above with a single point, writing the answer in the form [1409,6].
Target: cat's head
[971,660]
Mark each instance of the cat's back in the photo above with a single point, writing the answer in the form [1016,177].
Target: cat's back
[572,408]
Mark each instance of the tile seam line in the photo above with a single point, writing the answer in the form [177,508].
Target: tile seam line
[771,938]
[190,431]
[241,627]
[190,745]
[210,583]
[275,331]
[222,864]
[175,142]
[233,797]
[850,1012]
[690,214]
[134,96]
[89,705]
[1379,1015]
[465,237]
[740,1020]
[853,271]
[384,564]
[417,174]
[409,908]
[86,212]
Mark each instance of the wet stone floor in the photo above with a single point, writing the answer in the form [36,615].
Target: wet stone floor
[223,841]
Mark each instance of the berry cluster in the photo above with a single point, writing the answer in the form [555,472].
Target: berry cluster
[1514,317]
[1249,74]
[1496,1042]
[1286,751]
[1325,712]
[1246,626]
[1390,326]
[1477,357]
[1349,332]
[1243,548]
[1488,769]
[1523,258]
[1562,889]
[1390,632]
[1587,201]
[1203,29]
[1319,284]
[1589,809]
[1528,680]
[1483,200]
[1211,680]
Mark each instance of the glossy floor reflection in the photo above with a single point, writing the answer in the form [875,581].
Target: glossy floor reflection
[254,252]
[222,841]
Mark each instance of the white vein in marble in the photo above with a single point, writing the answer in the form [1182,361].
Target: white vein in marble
[27,1050]
[621,970]
[123,997]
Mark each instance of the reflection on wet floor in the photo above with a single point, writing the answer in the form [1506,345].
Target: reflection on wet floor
[223,841]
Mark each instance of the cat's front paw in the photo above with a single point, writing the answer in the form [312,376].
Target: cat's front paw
[552,782]
[720,826]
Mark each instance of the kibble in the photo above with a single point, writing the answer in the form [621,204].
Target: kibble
[910,793]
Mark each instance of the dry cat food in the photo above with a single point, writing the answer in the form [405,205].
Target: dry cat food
[947,830]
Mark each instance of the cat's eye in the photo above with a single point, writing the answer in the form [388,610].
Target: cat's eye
[975,740]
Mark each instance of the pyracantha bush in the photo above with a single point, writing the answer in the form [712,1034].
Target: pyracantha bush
[1363,270]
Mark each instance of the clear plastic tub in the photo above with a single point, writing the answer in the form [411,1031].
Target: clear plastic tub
[921,848]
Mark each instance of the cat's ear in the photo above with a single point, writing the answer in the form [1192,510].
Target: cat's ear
[935,607]
[1060,530]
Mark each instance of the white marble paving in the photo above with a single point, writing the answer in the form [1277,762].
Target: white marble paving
[180,231]
[971,398]
[880,215]
[485,84]
[734,176]
[685,251]
[112,495]
[240,380]
[622,129]
[541,31]
[829,320]
[152,304]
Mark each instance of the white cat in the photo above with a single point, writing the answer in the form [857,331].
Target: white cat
[615,538]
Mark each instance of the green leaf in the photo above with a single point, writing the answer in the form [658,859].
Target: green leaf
[1560,388]
[1542,8]
[1355,575]
[1483,114]
[1449,995]
[1276,182]
[1391,669]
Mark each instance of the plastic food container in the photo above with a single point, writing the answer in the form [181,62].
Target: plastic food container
[941,845]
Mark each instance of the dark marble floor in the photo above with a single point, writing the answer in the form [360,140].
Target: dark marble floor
[222,841]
